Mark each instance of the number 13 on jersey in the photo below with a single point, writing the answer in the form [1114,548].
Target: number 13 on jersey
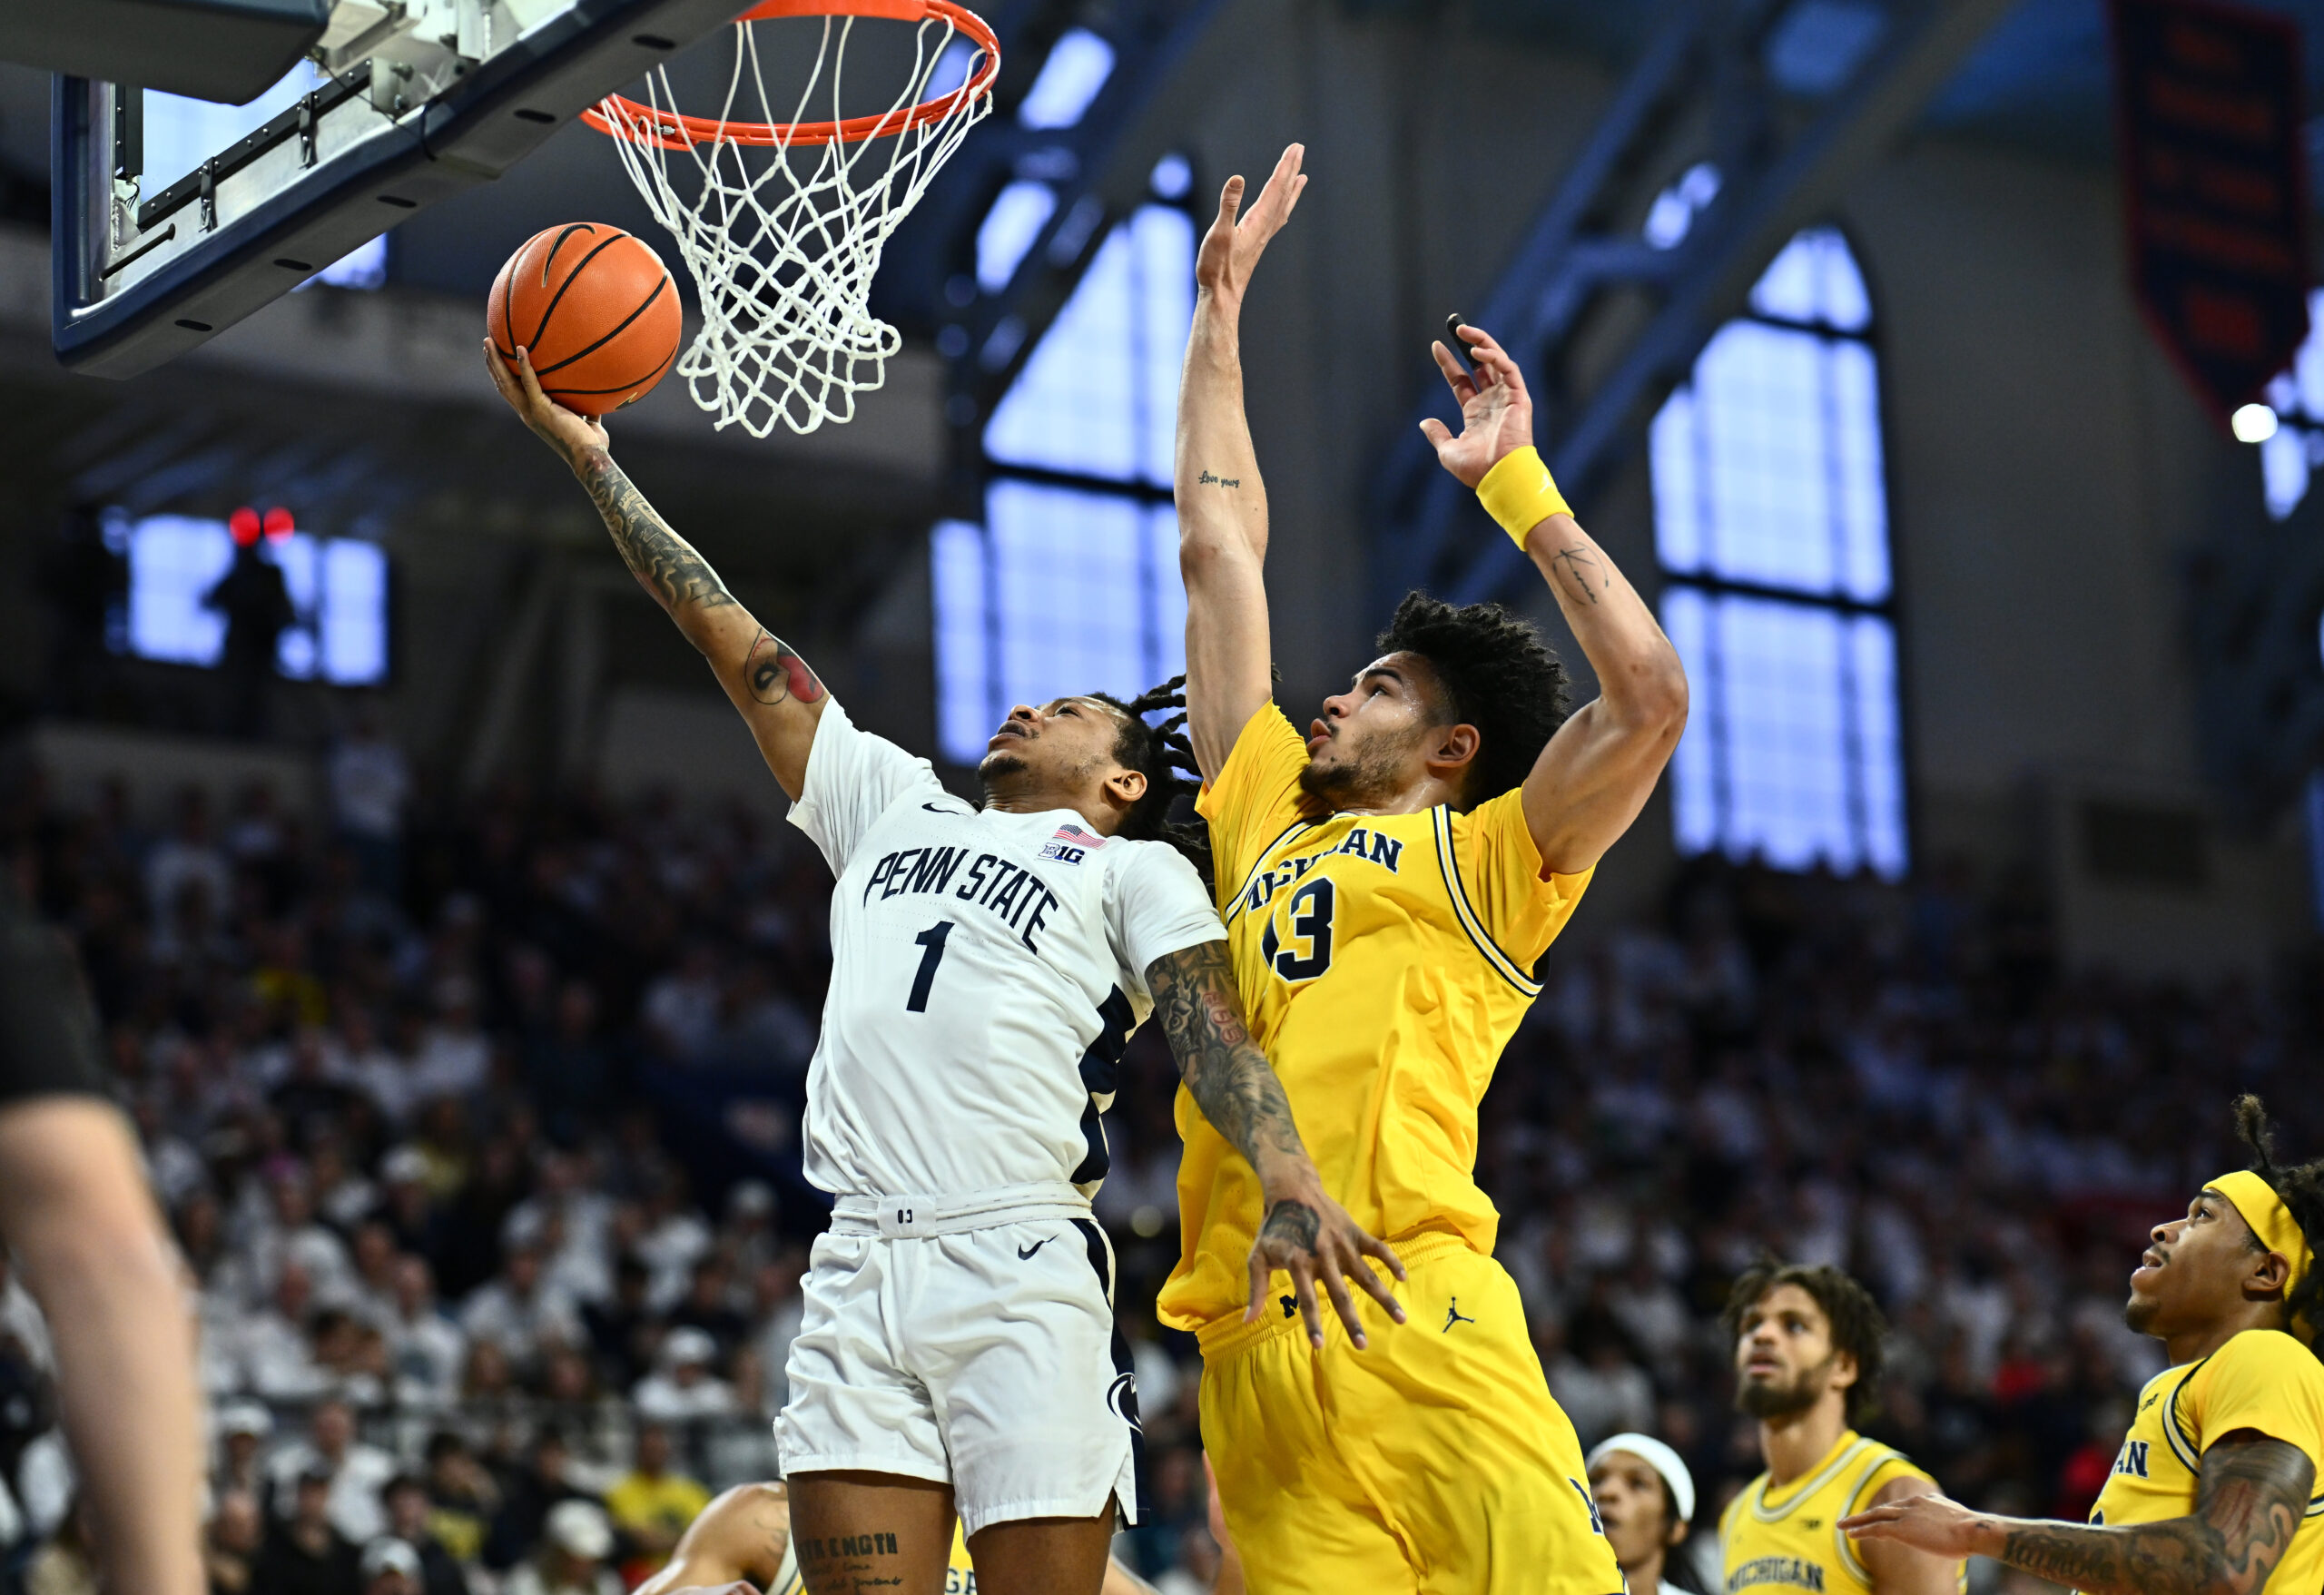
[1309,915]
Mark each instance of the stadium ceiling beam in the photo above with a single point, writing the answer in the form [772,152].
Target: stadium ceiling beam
[1170,57]
[1699,92]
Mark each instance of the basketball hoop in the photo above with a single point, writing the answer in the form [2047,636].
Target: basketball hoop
[782,257]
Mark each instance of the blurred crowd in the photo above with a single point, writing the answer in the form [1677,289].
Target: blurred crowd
[477,1121]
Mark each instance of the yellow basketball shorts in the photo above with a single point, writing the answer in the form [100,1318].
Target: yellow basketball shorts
[1434,1460]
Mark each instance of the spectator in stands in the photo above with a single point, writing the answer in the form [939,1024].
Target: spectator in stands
[709,1305]
[653,1503]
[571,1561]
[243,1427]
[391,1567]
[624,1330]
[682,1386]
[232,1542]
[528,1498]
[188,856]
[425,1349]
[276,1352]
[462,1497]
[352,1473]
[517,1313]
[64,1565]
[305,1553]
[411,1519]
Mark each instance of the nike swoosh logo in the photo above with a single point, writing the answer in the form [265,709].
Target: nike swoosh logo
[1025,1253]
[936,808]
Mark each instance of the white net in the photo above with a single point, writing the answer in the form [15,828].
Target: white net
[783,243]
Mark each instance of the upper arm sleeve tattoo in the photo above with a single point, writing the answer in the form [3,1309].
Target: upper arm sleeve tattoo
[2249,1502]
[664,564]
[774,671]
[1225,1073]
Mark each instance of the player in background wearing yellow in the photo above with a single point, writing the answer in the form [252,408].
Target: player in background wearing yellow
[2215,1490]
[1807,1354]
[744,1538]
[1388,884]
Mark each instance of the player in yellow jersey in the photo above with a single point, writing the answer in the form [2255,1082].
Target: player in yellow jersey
[2215,1491]
[1388,882]
[1808,1353]
[744,1538]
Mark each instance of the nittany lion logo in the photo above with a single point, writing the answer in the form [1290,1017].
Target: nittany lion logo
[1122,1400]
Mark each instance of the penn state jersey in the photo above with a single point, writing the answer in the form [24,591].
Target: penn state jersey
[987,970]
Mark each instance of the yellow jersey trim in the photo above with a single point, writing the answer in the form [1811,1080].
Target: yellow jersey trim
[2181,1444]
[1505,966]
[1756,1499]
[1258,862]
[1840,1541]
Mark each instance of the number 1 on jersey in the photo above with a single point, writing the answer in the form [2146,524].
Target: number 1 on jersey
[932,938]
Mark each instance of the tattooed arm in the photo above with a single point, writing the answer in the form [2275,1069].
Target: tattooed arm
[1597,771]
[2249,1503]
[1306,1233]
[779,696]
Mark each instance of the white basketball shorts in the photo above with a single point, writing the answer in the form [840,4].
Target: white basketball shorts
[969,1343]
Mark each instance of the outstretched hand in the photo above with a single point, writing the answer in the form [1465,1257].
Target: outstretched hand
[1934,1523]
[1231,248]
[1496,412]
[1311,1237]
[562,429]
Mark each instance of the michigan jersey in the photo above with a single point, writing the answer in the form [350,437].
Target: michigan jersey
[1383,960]
[1788,1540]
[2261,1380]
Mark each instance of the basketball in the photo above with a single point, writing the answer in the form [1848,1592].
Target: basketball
[595,307]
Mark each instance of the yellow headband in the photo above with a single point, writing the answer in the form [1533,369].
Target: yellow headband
[2277,1230]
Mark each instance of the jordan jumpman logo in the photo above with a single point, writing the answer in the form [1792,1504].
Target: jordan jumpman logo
[1452,1314]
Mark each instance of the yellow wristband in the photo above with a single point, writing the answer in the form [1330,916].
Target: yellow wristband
[1518,493]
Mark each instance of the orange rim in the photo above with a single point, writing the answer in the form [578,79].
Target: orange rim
[669,129]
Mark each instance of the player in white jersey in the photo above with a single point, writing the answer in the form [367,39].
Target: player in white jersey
[957,1352]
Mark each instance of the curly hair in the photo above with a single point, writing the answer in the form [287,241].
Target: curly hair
[2302,1189]
[1859,1326]
[1497,674]
[1161,752]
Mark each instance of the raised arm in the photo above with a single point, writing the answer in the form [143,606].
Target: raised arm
[1596,772]
[2248,1504]
[779,696]
[1221,502]
[1306,1233]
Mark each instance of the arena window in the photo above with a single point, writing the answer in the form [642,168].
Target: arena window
[1770,510]
[338,586]
[1071,580]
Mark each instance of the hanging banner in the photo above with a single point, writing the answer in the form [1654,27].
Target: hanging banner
[2208,104]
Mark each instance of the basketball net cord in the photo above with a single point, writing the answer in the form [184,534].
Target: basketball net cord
[784,261]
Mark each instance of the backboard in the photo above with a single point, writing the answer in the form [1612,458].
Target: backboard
[406,103]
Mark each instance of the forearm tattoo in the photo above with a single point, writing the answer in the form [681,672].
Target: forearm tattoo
[2248,1505]
[664,564]
[1224,1069]
[1578,565]
[776,671]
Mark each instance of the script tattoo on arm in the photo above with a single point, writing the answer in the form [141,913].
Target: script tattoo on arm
[2249,1502]
[664,564]
[776,671]
[1569,562]
[1224,1069]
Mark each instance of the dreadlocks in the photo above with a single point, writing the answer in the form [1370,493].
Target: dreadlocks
[1497,674]
[2302,1189]
[1161,753]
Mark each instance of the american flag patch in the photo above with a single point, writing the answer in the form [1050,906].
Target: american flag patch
[1071,844]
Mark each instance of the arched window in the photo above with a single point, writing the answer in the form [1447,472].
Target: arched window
[1070,581]
[1771,524]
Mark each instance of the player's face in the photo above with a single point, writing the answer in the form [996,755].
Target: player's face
[1060,746]
[2194,1268]
[1784,1359]
[1367,744]
[1636,1511]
